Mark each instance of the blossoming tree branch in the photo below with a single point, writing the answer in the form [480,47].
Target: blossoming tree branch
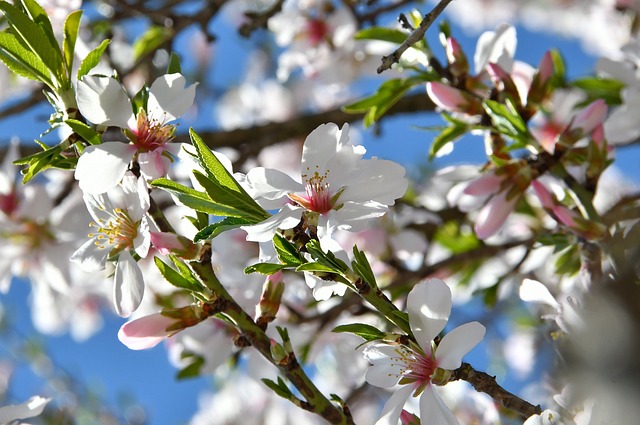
[314,282]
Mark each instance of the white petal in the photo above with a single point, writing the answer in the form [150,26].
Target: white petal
[287,218]
[169,98]
[32,407]
[154,164]
[90,256]
[496,47]
[101,167]
[429,307]
[376,180]
[457,343]
[142,241]
[386,368]
[321,146]
[271,184]
[433,410]
[393,407]
[533,291]
[102,100]
[129,285]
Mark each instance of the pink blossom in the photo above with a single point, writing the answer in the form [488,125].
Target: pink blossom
[486,184]
[546,199]
[591,116]
[447,97]
[493,215]
[146,332]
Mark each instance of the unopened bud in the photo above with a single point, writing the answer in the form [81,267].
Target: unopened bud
[407,418]
[539,88]
[269,304]
[458,64]
[503,81]
[590,117]
[172,244]
[452,99]
[278,352]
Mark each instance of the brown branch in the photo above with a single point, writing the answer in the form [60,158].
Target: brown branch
[486,383]
[414,37]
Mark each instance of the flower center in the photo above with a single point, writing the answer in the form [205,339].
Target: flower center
[316,31]
[318,194]
[118,232]
[9,203]
[151,134]
[416,367]
[28,233]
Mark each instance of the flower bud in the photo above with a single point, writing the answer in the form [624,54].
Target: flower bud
[269,304]
[458,64]
[407,418]
[503,81]
[540,85]
[590,117]
[452,99]
[545,197]
[278,352]
[172,244]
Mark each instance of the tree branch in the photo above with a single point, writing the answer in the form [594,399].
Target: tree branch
[414,37]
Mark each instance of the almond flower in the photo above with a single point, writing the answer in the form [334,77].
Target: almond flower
[103,101]
[29,409]
[419,366]
[337,187]
[122,226]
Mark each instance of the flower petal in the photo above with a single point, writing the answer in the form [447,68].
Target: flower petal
[169,98]
[376,180]
[429,307]
[101,167]
[145,332]
[129,285]
[32,407]
[433,407]
[102,100]
[271,184]
[385,370]
[393,407]
[90,256]
[287,218]
[457,343]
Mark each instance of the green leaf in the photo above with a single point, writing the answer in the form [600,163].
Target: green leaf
[34,38]
[214,229]
[505,118]
[280,388]
[362,267]
[568,262]
[22,61]
[243,207]
[326,258]
[452,236]
[600,88]
[402,316]
[174,64]
[558,79]
[192,370]
[40,161]
[264,268]
[194,199]
[382,34]
[71,27]
[448,135]
[315,267]
[287,252]
[151,40]
[84,131]
[385,97]
[367,332]
[92,59]
[175,278]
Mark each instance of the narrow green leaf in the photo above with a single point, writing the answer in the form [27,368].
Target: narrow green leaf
[22,61]
[287,252]
[84,131]
[40,17]
[151,40]
[174,64]
[71,28]
[214,229]
[92,59]
[280,388]
[367,332]
[264,268]
[506,119]
[382,34]
[175,278]
[192,370]
[326,258]
[362,267]
[448,135]
[185,271]
[315,267]
[194,199]
[33,36]
[212,165]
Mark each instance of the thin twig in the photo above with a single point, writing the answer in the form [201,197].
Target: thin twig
[259,20]
[414,37]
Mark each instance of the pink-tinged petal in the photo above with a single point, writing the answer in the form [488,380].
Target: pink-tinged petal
[545,69]
[169,98]
[102,100]
[145,332]
[154,164]
[433,410]
[493,215]
[565,215]
[545,197]
[591,116]
[385,370]
[447,97]
[393,407]
[101,167]
[486,184]
[533,291]
[271,184]
[128,285]
[29,409]
[287,218]
[429,307]
[457,343]
[496,47]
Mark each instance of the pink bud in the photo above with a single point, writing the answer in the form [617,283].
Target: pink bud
[458,63]
[591,116]
[447,97]
[493,215]
[170,243]
[407,418]
[597,135]
[545,69]
[486,184]
[145,332]
[546,199]
[565,216]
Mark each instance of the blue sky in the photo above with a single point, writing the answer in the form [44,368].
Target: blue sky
[147,375]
